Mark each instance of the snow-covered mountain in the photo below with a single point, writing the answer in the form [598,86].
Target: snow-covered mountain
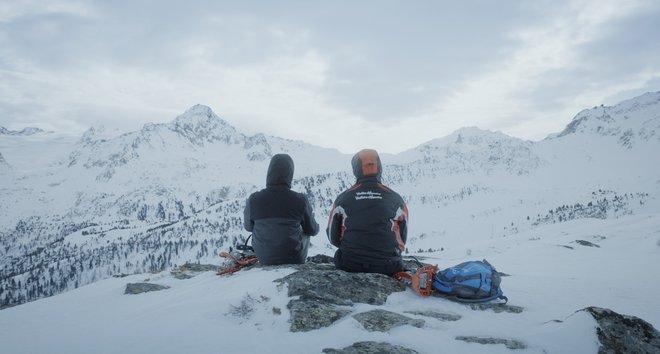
[22,132]
[180,167]
[105,204]
[472,150]
[196,144]
[629,122]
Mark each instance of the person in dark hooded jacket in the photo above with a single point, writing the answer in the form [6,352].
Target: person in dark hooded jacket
[368,222]
[281,220]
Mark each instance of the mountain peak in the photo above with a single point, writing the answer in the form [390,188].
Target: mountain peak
[197,112]
[469,136]
[199,123]
[201,109]
[475,132]
[100,133]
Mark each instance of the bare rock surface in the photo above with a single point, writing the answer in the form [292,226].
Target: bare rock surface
[622,334]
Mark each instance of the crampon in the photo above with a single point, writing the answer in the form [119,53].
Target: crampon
[421,281]
[236,260]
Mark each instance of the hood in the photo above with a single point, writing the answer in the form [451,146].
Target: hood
[280,170]
[366,163]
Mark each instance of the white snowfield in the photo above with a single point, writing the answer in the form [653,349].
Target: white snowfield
[574,220]
[198,315]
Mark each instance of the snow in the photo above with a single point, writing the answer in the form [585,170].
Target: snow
[549,281]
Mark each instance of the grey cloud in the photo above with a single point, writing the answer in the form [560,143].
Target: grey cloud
[622,51]
[397,61]
[626,46]
[385,60]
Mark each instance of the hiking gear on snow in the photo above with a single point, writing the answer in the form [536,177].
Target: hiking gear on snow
[245,249]
[473,281]
[470,282]
[280,219]
[368,222]
[239,259]
[421,281]
[239,263]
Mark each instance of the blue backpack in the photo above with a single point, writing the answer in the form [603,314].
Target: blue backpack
[474,281]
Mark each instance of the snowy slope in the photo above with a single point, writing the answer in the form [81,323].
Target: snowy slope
[171,193]
[551,277]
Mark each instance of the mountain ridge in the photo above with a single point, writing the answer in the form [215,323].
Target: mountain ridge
[607,121]
[23,132]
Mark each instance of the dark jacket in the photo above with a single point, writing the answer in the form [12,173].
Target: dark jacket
[368,222]
[280,219]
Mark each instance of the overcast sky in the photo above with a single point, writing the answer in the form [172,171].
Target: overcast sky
[343,74]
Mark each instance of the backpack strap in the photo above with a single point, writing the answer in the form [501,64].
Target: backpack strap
[244,257]
[498,295]
[421,281]
[474,301]
[245,248]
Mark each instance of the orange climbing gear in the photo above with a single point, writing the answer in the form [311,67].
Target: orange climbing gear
[240,263]
[421,281]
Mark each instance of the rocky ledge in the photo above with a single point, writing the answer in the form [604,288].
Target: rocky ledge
[624,334]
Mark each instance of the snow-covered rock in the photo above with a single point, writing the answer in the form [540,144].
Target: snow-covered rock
[619,333]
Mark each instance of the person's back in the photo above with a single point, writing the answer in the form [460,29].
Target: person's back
[280,219]
[368,222]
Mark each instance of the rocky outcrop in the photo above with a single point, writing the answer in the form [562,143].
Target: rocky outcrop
[138,288]
[622,334]
[586,243]
[441,316]
[371,348]
[496,307]
[341,288]
[189,270]
[310,314]
[326,295]
[382,321]
[509,343]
